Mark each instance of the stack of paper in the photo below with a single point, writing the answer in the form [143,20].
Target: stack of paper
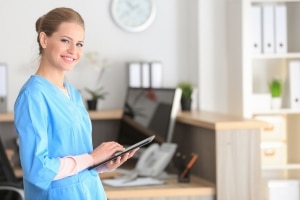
[120,182]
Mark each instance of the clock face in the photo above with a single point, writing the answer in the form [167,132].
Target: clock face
[133,15]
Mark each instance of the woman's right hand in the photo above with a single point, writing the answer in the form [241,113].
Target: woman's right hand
[105,151]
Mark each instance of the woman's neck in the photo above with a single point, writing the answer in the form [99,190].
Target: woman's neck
[51,74]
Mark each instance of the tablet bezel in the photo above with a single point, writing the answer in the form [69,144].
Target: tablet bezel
[130,148]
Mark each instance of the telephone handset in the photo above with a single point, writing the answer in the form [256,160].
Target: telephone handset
[155,159]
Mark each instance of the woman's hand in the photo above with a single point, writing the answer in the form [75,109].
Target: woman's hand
[105,151]
[114,164]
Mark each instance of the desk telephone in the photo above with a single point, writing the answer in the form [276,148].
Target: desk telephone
[155,159]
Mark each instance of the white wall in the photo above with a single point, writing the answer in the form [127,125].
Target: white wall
[174,38]
[164,41]
[212,56]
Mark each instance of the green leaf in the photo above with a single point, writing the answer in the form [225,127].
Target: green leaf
[186,89]
[275,87]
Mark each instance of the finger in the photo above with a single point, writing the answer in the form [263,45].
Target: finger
[125,157]
[131,153]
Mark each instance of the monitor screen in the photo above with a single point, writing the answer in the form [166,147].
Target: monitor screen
[149,111]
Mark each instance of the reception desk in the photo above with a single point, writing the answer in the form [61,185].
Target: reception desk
[228,149]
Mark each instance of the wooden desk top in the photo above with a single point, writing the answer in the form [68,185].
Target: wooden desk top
[217,121]
[197,187]
[202,119]
[94,115]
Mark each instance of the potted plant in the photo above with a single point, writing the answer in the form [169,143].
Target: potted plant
[99,66]
[95,96]
[186,96]
[275,87]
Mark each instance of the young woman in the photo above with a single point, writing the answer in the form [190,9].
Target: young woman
[51,120]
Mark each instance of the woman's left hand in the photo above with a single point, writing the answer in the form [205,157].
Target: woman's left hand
[114,164]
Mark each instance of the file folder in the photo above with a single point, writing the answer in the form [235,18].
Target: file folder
[294,84]
[256,29]
[268,29]
[280,28]
[135,74]
[156,75]
[3,88]
[145,75]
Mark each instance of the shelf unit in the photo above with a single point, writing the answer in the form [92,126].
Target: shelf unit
[255,71]
[266,66]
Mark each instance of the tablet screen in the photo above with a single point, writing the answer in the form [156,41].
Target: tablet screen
[130,148]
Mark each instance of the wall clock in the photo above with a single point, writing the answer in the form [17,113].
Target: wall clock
[133,15]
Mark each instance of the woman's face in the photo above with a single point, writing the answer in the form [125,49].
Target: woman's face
[63,49]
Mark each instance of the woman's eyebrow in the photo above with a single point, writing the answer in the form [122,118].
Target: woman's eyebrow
[72,38]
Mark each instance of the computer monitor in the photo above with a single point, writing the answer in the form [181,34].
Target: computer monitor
[149,111]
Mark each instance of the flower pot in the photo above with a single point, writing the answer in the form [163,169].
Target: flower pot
[276,102]
[186,104]
[92,104]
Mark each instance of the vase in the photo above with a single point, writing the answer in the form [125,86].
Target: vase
[186,104]
[276,102]
[92,104]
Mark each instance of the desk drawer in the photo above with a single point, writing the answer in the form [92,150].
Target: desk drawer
[273,153]
[276,129]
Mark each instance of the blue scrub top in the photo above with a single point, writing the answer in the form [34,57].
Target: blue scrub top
[51,125]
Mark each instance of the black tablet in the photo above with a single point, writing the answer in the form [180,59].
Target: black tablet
[130,148]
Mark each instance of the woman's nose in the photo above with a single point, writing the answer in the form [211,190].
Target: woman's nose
[72,48]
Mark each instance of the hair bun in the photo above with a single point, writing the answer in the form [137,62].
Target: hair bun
[38,24]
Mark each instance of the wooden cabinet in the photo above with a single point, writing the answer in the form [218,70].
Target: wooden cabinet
[228,148]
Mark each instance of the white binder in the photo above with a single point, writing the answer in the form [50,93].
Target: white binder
[145,75]
[268,29]
[256,29]
[280,29]
[156,75]
[135,74]
[3,88]
[294,84]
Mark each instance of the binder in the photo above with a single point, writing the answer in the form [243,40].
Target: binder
[280,28]
[145,75]
[3,88]
[294,84]
[135,76]
[268,29]
[156,75]
[256,29]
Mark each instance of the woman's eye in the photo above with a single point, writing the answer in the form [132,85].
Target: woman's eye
[79,44]
[65,40]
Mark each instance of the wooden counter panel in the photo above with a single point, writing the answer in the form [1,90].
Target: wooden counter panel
[197,187]
[216,121]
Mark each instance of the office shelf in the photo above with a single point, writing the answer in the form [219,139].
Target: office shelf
[277,56]
[282,167]
[282,111]
[264,67]
[255,72]
[272,1]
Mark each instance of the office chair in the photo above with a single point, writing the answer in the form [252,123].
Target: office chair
[11,187]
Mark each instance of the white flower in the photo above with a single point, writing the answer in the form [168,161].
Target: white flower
[99,65]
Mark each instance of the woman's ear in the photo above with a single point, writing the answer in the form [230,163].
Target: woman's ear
[43,39]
